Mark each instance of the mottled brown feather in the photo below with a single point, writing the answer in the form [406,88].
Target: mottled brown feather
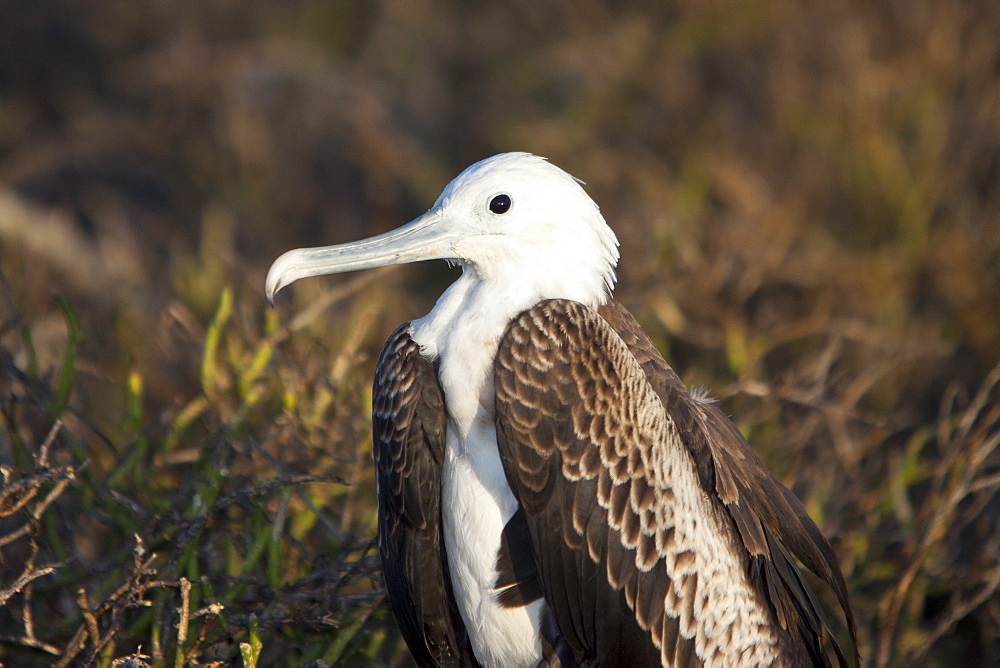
[591,594]
[763,510]
[408,432]
[598,383]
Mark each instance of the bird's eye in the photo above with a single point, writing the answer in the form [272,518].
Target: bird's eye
[500,204]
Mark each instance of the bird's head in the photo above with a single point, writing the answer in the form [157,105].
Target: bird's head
[512,218]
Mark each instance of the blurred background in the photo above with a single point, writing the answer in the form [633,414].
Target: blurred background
[808,204]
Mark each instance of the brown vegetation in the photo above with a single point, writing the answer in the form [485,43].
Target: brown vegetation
[808,200]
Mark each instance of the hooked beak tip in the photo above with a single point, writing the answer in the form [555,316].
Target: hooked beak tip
[278,276]
[272,287]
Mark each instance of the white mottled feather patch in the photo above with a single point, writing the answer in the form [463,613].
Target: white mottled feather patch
[731,622]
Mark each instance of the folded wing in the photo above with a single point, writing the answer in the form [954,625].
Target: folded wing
[408,427]
[642,504]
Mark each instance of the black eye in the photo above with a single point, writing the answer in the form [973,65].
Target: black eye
[500,204]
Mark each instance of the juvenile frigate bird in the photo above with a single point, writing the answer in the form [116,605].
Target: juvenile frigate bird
[549,491]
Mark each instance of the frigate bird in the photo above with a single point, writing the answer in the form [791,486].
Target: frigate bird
[549,492]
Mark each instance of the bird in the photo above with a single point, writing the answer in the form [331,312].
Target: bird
[549,491]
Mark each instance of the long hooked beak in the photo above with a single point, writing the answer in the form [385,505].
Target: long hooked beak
[429,237]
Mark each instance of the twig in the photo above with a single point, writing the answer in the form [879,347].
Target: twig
[30,642]
[43,451]
[22,580]
[273,484]
[28,487]
[88,615]
[180,657]
[28,574]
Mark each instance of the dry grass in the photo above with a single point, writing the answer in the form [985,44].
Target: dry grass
[808,201]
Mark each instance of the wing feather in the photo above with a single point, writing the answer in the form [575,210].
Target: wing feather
[770,520]
[599,439]
[408,432]
[604,448]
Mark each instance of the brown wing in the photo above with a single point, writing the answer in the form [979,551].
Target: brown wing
[408,440]
[628,532]
[770,520]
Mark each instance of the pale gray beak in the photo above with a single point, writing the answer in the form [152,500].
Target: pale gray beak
[429,237]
